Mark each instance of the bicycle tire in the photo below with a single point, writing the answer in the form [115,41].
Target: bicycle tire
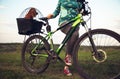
[91,69]
[35,63]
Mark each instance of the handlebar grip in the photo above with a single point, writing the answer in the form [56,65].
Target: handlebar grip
[43,18]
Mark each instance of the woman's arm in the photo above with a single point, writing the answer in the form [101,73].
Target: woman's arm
[56,12]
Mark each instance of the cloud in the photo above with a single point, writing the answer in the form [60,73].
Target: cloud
[2,7]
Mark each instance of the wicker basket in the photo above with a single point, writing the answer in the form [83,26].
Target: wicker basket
[28,26]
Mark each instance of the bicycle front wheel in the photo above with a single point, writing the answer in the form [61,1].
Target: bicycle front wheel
[106,65]
[35,58]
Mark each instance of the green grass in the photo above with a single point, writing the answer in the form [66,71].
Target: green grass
[100,70]
[11,66]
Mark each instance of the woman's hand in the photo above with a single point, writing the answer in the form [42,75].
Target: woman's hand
[49,16]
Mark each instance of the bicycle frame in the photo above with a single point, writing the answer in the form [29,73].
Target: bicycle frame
[76,21]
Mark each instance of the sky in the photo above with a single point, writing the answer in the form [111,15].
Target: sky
[105,14]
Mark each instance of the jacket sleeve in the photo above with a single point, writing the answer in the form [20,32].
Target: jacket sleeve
[57,10]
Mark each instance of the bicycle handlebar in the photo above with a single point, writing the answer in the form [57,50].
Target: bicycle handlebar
[43,18]
[86,10]
[48,27]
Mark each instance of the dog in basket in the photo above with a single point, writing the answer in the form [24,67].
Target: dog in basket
[31,14]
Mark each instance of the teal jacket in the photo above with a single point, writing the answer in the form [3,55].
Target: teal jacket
[68,9]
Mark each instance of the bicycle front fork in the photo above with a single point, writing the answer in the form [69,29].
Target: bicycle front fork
[94,49]
[88,30]
[99,55]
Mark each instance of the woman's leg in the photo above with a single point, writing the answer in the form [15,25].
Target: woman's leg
[70,43]
[69,48]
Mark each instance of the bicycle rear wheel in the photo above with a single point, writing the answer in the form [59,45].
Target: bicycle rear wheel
[104,66]
[35,58]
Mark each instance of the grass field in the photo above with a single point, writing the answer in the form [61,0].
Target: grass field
[11,67]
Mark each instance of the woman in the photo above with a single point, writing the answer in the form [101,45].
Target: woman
[68,9]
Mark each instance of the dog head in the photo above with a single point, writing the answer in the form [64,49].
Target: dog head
[31,14]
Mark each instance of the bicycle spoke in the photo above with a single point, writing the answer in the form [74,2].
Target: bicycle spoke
[103,65]
[34,55]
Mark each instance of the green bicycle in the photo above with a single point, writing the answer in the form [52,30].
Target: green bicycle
[96,54]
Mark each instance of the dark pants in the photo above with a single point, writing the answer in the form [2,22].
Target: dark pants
[71,42]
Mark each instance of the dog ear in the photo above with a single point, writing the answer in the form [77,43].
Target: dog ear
[34,12]
[31,13]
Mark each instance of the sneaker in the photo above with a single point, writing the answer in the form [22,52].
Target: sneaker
[67,71]
[68,60]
